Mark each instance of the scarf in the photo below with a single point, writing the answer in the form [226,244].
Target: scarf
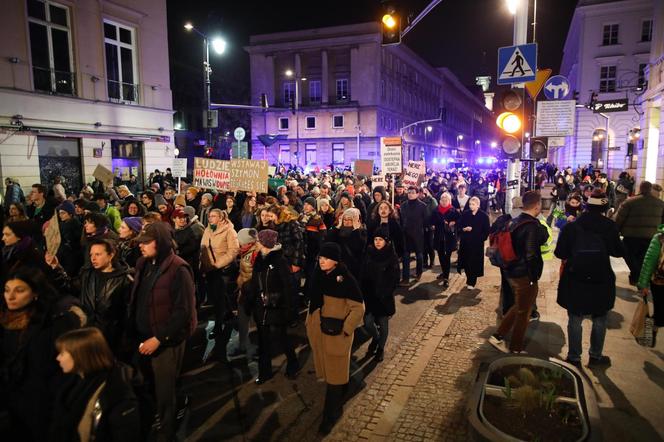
[97,233]
[444,210]
[16,319]
[212,227]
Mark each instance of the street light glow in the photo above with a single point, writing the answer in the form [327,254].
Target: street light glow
[178,126]
[288,73]
[460,137]
[512,6]
[389,21]
[494,144]
[219,45]
[429,129]
[188,26]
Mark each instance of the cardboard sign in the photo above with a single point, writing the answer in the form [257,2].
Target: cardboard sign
[271,170]
[249,175]
[390,155]
[179,168]
[414,172]
[212,174]
[52,235]
[103,174]
[363,167]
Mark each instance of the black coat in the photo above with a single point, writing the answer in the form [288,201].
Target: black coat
[414,216]
[353,244]
[188,240]
[395,232]
[471,248]
[580,297]
[69,252]
[271,290]
[380,276]
[444,236]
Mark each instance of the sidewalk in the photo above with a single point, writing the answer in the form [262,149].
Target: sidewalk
[419,392]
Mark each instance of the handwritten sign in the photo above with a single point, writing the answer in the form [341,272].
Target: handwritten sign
[52,235]
[249,175]
[179,168]
[378,180]
[212,174]
[390,154]
[103,174]
[414,171]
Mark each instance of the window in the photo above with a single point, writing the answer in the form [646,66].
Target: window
[338,121]
[642,75]
[342,90]
[382,89]
[284,153]
[311,123]
[315,91]
[283,123]
[337,153]
[50,47]
[289,92]
[121,75]
[607,79]
[610,34]
[646,30]
[310,153]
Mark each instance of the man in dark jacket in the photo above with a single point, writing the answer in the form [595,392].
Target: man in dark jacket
[578,291]
[528,235]
[414,215]
[163,316]
[40,208]
[637,220]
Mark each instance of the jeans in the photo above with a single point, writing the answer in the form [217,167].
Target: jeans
[575,331]
[444,257]
[518,315]
[267,336]
[378,328]
[406,264]
[636,252]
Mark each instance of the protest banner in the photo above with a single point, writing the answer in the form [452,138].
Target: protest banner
[103,174]
[212,174]
[249,175]
[415,171]
[363,167]
[179,168]
[390,155]
[52,235]
[378,180]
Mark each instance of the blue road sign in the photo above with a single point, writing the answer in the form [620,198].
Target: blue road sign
[557,88]
[517,64]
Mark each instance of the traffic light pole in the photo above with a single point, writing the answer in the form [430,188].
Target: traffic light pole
[514,166]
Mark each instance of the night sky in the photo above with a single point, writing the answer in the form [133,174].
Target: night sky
[462,35]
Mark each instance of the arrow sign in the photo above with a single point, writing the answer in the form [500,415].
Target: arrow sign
[557,88]
[534,87]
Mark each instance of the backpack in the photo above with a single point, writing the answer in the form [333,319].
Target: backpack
[589,258]
[501,249]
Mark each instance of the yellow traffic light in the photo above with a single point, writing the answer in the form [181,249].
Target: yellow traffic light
[509,122]
[389,21]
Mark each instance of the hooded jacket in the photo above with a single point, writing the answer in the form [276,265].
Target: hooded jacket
[639,216]
[652,258]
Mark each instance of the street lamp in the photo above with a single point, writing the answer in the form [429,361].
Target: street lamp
[219,46]
[290,74]
[512,6]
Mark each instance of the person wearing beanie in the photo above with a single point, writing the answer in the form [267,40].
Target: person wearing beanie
[380,276]
[587,285]
[70,227]
[67,206]
[351,236]
[193,197]
[180,201]
[269,296]
[326,211]
[128,250]
[204,208]
[336,309]
[188,239]
[345,202]
[315,230]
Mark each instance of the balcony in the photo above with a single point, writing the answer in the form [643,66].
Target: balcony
[120,92]
[53,81]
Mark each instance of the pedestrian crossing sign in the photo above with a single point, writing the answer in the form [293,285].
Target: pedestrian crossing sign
[517,64]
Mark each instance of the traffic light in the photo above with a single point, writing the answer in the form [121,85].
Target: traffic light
[209,152]
[391,26]
[539,148]
[510,120]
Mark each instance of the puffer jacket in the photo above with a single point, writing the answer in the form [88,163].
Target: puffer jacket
[528,236]
[652,258]
[219,248]
[638,217]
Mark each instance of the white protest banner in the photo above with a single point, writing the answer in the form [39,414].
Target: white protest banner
[212,174]
[390,155]
[378,180]
[249,175]
[179,168]
[414,171]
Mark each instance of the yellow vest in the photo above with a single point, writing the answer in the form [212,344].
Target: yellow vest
[546,248]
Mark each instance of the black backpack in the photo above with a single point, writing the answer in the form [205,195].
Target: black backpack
[589,258]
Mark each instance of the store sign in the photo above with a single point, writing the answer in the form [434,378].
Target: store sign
[605,106]
[249,175]
[555,118]
[390,155]
[212,174]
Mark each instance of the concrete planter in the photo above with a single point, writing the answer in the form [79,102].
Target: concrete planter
[580,399]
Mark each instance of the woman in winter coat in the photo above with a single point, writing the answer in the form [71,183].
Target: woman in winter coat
[31,319]
[95,402]
[269,297]
[336,309]
[380,276]
[103,289]
[219,248]
[651,280]
[351,236]
[128,249]
[326,211]
[19,249]
[234,212]
[378,195]
[16,213]
[315,231]
[95,226]
[248,214]
[69,252]
[188,238]
[345,202]
[290,236]
[444,220]
[384,216]
[133,208]
[474,230]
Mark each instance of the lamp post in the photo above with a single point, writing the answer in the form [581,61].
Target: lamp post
[219,46]
[290,74]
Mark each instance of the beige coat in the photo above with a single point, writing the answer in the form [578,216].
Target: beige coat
[332,353]
[219,248]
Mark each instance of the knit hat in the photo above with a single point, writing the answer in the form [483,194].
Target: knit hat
[382,232]
[330,250]
[91,206]
[247,236]
[311,201]
[189,211]
[134,223]
[323,200]
[208,196]
[159,200]
[67,206]
[178,213]
[268,238]
[180,200]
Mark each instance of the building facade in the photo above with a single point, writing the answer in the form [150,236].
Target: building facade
[606,54]
[335,91]
[84,83]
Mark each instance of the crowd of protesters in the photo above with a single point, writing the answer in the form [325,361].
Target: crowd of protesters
[108,283]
